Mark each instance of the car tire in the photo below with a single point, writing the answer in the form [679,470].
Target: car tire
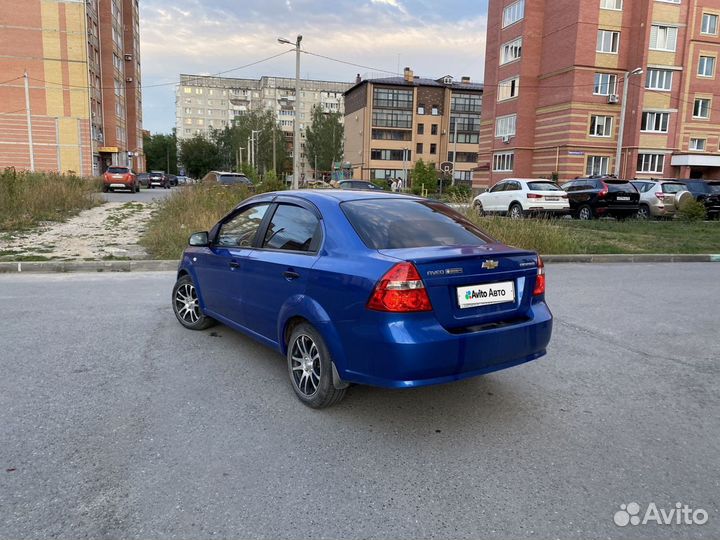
[477,205]
[515,211]
[644,212]
[186,305]
[310,368]
[585,213]
[105,189]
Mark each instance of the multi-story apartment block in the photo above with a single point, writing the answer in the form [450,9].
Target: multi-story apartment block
[392,122]
[83,65]
[205,103]
[555,74]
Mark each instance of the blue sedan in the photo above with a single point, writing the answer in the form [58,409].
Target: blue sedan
[371,288]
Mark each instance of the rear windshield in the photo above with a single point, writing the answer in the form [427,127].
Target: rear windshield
[615,186]
[673,188]
[714,188]
[232,179]
[117,170]
[408,223]
[543,186]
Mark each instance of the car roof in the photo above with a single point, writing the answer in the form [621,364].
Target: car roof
[528,180]
[342,195]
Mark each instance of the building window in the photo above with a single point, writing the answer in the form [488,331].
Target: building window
[605,84]
[503,161]
[393,119]
[706,66]
[608,41]
[600,126]
[421,129]
[597,165]
[435,110]
[650,163]
[463,157]
[505,125]
[421,109]
[433,148]
[611,4]
[655,121]
[697,144]
[701,109]
[419,148]
[465,123]
[659,79]
[466,103]
[465,138]
[388,98]
[390,155]
[434,129]
[508,89]
[511,51]
[663,38]
[709,24]
[513,13]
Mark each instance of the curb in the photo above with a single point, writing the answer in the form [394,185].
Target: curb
[171,266]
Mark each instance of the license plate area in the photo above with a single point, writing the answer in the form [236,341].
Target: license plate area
[486,294]
[623,198]
[552,198]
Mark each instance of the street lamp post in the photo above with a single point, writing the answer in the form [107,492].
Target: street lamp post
[254,142]
[623,111]
[296,123]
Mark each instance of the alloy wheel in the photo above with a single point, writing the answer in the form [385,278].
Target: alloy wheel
[585,213]
[305,364]
[186,303]
[515,212]
[643,212]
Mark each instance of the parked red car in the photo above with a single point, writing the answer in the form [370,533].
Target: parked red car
[120,178]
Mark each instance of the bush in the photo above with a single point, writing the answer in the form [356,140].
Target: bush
[196,208]
[270,183]
[27,199]
[459,192]
[692,210]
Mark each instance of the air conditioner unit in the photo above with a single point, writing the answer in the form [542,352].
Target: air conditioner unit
[129,79]
[613,98]
[506,139]
[128,57]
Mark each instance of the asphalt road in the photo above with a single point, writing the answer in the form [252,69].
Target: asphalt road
[144,195]
[115,422]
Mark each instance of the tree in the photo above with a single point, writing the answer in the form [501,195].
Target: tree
[324,139]
[199,155]
[424,175]
[161,149]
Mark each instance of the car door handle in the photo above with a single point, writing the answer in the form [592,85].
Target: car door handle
[290,275]
[234,264]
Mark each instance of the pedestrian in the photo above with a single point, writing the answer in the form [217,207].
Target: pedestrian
[393,185]
[400,184]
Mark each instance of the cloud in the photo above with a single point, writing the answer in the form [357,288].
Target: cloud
[200,38]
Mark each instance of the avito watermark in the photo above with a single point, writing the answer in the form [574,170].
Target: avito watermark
[680,514]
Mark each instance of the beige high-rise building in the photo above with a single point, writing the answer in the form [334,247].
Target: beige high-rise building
[205,103]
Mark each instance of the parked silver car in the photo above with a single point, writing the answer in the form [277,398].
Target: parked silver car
[658,198]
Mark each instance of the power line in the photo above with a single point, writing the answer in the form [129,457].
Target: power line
[11,80]
[349,63]
[13,112]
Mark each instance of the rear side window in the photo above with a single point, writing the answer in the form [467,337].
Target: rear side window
[408,223]
[117,170]
[543,186]
[620,187]
[673,188]
[241,229]
[229,179]
[293,228]
[714,188]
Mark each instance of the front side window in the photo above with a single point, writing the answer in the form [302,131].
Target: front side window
[706,66]
[597,165]
[659,79]
[600,126]
[663,38]
[503,161]
[608,41]
[240,230]
[650,163]
[513,13]
[293,228]
[511,51]
[701,108]
[605,84]
[655,121]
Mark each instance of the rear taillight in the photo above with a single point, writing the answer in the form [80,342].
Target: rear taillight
[400,290]
[660,195]
[604,191]
[540,279]
[534,196]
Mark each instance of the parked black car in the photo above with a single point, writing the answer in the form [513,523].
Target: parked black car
[158,179]
[706,191]
[173,179]
[359,184]
[143,180]
[599,197]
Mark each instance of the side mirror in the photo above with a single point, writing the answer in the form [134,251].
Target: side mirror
[199,239]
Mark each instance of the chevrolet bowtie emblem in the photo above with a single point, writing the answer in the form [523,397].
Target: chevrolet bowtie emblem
[490,264]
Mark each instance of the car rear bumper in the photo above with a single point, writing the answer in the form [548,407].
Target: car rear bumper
[418,351]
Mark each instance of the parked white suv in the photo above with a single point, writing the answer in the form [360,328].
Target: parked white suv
[518,197]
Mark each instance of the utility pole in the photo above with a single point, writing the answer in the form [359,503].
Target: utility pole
[296,126]
[29,122]
[274,137]
[254,139]
[248,149]
[452,182]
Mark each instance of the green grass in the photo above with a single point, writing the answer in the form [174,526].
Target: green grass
[27,199]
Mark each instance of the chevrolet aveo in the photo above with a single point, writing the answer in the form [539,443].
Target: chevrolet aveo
[369,288]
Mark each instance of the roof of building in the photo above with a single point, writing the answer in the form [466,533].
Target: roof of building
[418,81]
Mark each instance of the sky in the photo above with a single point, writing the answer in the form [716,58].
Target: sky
[432,37]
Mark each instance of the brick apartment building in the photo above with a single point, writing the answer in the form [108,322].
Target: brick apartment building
[392,122]
[554,79]
[204,103]
[83,65]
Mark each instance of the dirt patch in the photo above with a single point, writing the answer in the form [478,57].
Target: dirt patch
[110,231]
